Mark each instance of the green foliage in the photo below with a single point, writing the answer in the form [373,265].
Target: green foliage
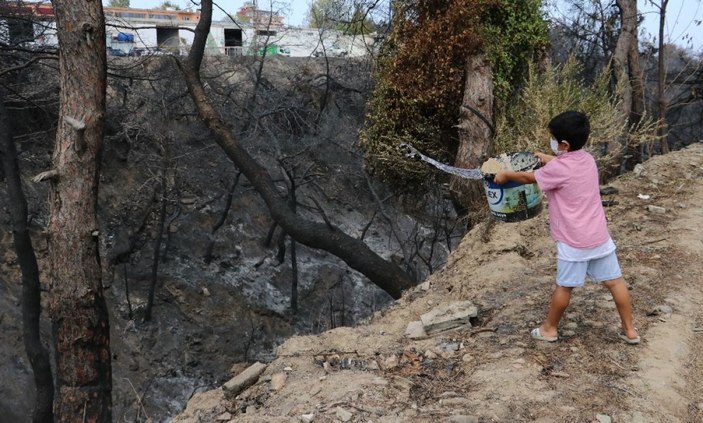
[119,3]
[346,16]
[515,35]
[387,132]
[422,70]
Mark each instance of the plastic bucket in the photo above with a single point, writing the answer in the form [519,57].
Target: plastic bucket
[513,202]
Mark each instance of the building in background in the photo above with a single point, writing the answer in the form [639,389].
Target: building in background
[250,14]
[140,32]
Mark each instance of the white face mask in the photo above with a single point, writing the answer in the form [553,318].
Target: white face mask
[555,146]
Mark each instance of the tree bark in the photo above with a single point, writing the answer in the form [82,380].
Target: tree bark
[355,253]
[628,75]
[77,305]
[662,102]
[475,129]
[31,287]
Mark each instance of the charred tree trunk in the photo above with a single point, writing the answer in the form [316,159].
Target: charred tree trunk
[475,129]
[223,217]
[31,287]
[355,253]
[77,306]
[662,102]
[157,247]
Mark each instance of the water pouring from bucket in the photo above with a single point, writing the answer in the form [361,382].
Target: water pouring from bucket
[510,202]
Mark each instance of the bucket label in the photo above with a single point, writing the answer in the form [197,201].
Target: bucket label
[512,201]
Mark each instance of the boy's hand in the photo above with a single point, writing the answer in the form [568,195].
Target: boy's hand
[501,177]
[543,158]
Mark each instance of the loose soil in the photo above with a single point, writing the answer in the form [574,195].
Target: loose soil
[493,371]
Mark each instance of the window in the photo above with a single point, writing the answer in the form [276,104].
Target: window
[21,30]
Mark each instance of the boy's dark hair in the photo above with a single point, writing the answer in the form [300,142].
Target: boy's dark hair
[572,127]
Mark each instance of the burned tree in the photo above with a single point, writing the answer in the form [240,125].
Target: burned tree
[31,287]
[77,306]
[355,253]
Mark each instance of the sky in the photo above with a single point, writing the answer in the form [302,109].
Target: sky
[683,17]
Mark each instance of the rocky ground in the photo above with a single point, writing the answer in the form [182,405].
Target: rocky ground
[492,371]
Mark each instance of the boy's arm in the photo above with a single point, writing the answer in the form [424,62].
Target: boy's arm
[504,176]
[544,158]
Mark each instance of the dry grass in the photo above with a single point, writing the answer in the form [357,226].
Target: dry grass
[522,125]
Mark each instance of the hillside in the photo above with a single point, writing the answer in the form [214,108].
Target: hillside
[493,371]
[225,272]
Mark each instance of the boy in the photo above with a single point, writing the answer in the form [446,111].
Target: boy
[576,222]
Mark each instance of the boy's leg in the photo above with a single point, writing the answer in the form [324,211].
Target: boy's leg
[560,300]
[621,296]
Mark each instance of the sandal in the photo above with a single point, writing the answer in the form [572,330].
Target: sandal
[631,341]
[535,333]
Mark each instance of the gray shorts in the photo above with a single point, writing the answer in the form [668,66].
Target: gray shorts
[573,273]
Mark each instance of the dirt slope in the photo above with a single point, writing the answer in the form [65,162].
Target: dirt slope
[494,372]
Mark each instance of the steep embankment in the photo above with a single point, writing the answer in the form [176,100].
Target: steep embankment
[494,371]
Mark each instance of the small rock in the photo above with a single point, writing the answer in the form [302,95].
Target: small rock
[307,418]
[390,362]
[206,292]
[638,169]
[288,369]
[243,380]
[415,330]
[661,309]
[571,326]
[602,418]
[425,286]
[608,191]
[467,358]
[278,380]
[560,374]
[251,409]
[682,205]
[449,316]
[224,417]
[568,333]
[449,346]
[656,209]
[430,354]
[188,200]
[343,414]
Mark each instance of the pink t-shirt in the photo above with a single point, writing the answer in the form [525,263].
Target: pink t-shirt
[576,215]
